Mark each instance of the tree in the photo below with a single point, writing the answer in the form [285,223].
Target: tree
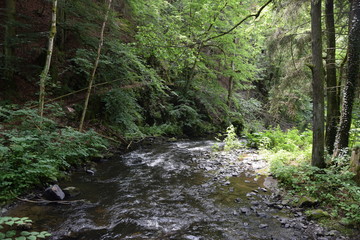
[317,86]
[92,77]
[333,107]
[44,74]
[8,43]
[342,136]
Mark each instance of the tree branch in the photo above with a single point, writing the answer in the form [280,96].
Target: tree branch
[256,15]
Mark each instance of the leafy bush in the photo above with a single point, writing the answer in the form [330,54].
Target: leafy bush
[231,140]
[335,191]
[123,110]
[35,151]
[289,154]
[8,230]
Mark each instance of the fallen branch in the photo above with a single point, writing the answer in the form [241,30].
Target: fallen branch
[48,201]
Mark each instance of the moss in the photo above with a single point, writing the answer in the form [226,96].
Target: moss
[317,214]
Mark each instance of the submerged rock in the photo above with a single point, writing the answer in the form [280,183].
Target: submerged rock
[54,193]
[71,192]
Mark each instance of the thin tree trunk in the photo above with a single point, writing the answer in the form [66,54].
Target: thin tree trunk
[231,85]
[8,42]
[318,86]
[333,107]
[62,20]
[342,137]
[92,77]
[44,74]
[230,91]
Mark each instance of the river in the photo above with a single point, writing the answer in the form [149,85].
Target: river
[173,190]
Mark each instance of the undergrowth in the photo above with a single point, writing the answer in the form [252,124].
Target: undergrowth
[289,155]
[9,229]
[35,151]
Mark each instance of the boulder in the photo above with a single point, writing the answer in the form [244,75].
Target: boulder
[54,193]
[355,164]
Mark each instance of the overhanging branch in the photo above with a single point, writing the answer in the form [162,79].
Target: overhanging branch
[256,15]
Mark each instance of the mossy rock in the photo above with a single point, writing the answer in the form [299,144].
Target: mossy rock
[306,201]
[317,214]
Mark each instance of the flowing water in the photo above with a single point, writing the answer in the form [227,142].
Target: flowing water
[172,190]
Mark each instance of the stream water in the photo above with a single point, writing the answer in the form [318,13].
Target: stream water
[171,190]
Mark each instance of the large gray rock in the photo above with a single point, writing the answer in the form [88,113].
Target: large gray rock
[54,193]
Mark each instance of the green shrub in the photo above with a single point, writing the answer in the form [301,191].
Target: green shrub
[34,152]
[335,190]
[231,140]
[289,155]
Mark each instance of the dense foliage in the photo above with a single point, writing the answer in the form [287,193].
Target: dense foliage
[289,155]
[36,151]
[9,225]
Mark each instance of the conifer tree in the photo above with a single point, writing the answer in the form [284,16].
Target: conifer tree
[318,86]
[333,107]
[342,137]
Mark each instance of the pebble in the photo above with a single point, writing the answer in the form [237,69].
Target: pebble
[261,214]
[227,183]
[263,189]
[250,194]
[263,226]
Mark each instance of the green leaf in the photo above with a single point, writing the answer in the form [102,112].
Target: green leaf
[25,233]
[46,234]
[10,233]
[31,237]
[20,238]
[2,235]
[10,223]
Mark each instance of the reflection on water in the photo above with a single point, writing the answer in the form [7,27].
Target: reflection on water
[159,192]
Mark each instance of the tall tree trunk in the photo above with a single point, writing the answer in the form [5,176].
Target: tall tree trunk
[342,137]
[61,21]
[318,86]
[92,77]
[44,74]
[8,43]
[333,106]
